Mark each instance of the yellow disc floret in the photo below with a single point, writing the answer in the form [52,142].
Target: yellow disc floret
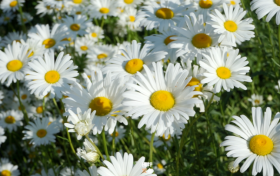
[165,13]
[14,65]
[134,65]
[104,10]
[201,40]
[160,166]
[102,105]
[232,2]
[84,48]
[261,145]
[168,138]
[131,18]
[49,43]
[230,26]
[39,110]
[93,34]
[13,3]
[128,1]
[10,120]
[116,134]
[194,82]
[31,54]
[223,72]
[77,1]
[205,4]
[277,2]
[102,56]
[168,40]
[6,173]
[162,100]
[23,97]
[75,27]
[52,76]
[41,133]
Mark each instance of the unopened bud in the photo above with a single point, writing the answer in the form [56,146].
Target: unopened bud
[231,168]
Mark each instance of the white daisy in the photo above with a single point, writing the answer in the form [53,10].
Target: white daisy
[256,142]
[161,16]
[123,166]
[162,140]
[6,17]
[79,3]
[161,98]
[92,171]
[13,63]
[43,8]
[83,45]
[35,46]
[119,134]
[79,10]
[89,153]
[8,169]
[26,17]
[128,18]
[11,37]
[231,26]
[233,2]
[25,96]
[224,71]
[159,167]
[39,132]
[11,119]
[256,100]
[100,53]
[59,4]
[11,5]
[205,7]
[95,33]
[2,136]
[49,76]
[103,8]
[76,25]
[129,3]
[36,110]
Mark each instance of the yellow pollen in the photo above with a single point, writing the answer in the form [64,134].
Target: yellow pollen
[116,134]
[52,76]
[205,4]
[232,2]
[10,120]
[277,2]
[201,40]
[102,56]
[104,10]
[168,40]
[223,72]
[257,101]
[48,7]
[131,18]
[13,3]
[160,166]
[194,82]
[78,13]
[162,100]
[128,1]
[6,173]
[165,13]
[24,96]
[93,34]
[14,65]
[31,54]
[102,105]
[261,145]
[77,1]
[39,109]
[168,138]
[231,26]
[75,27]
[49,43]
[134,65]
[84,48]
[41,133]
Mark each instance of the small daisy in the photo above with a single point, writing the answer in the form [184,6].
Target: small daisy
[161,16]
[59,4]
[129,3]
[79,3]
[2,137]
[6,17]
[47,75]
[11,119]
[129,19]
[81,123]
[103,8]
[233,2]
[95,33]
[159,167]
[26,17]
[76,26]
[25,96]
[39,132]
[35,46]
[11,5]
[43,9]
[8,169]
[13,37]
[205,7]
[36,110]
[83,45]
[119,134]
[59,151]
[89,153]
[123,165]
[231,26]
[13,61]
[257,142]
[224,71]
[100,53]
[92,171]
[161,98]
[79,10]
[162,140]
[256,100]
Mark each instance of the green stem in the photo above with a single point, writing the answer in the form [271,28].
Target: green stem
[271,40]
[44,106]
[105,144]
[151,147]
[96,148]
[279,37]
[21,17]
[21,105]
[113,141]
[102,23]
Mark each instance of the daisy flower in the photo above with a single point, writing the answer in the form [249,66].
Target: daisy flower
[103,8]
[123,166]
[161,16]
[128,18]
[231,26]
[266,7]
[11,5]
[119,134]
[79,10]
[39,132]
[102,94]
[2,136]
[47,75]
[233,2]
[6,168]
[59,4]
[13,63]
[11,119]
[129,3]
[79,3]
[76,26]
[51,39]
[43,8]
[92,171]
[205,7]
[25,96]
[100,53]
[35,46]
[6,17]
[13,37]
[256,142]
[81,123]
[162,140]
[132,60]
[95,33]
[161,98]
[224,71]
[36,110]
[256,100]
[26,17]
[83,45]
[89,153]
[159,167]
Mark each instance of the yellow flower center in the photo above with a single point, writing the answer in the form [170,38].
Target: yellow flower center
[52,76]
[261,145]
[75,27]
[84,48]
[223,72]
[232,2]
[6,173]
[49,43]
[77,1]
[48,7]
[102,105]
[201,40]
[41,133]
[194,82]
[116,134]
[13,3]
[165,13]
[31,54]
[131,18]
[168,138]
[6,19]
[39,109]
[257,102]
[14,65]
[277,2]
[102,56]
[168,40]
[78,13]
[160,166]
[24,96]
[231,26]
[104,10]
[134,65]
[93,34]
[10,120]
[128,1]
[205,4]
[162,100]
[58,151]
